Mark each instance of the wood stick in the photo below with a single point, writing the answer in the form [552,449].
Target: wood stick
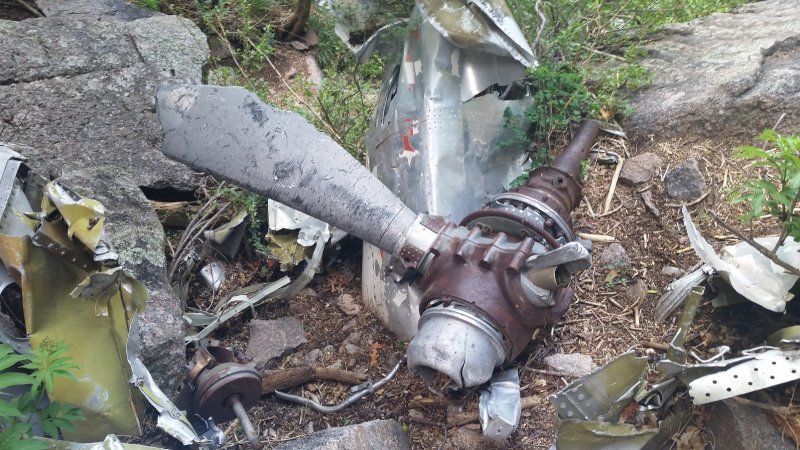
[276,380]
[597,237]
[654,345]
[613,187]
[472,416]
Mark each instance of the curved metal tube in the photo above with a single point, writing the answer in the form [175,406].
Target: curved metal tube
[328,409]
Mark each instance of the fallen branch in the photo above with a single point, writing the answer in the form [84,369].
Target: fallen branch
[30,8]
[613,188]
[277,380]
[654,345]
[464,418]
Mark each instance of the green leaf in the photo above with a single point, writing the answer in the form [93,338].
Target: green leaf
[9,410]
[14,379]
[750,152]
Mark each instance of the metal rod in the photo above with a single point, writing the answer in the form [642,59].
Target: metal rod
[328,409]
[247,426]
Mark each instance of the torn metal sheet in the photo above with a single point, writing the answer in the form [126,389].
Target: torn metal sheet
[500,406]
[483,25]
[677,291]
[749,272]
[230,306]
[227,238]
[111,442]
[84,217]
[604,393]
[213,275]
[282,217]
[170,419]
[49,267]
[378,20]
[767,368]
[439,140]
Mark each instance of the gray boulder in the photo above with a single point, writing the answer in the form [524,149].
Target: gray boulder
[81,91]
[724,75]
[740,427]
[383,434]
[138,238]
[100,9]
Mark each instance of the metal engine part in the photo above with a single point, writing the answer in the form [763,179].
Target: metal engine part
[505,268]
[478,267]
[224,388]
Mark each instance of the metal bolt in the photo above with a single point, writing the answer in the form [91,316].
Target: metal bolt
[250,431]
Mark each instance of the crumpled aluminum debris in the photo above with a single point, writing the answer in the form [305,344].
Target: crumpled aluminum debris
[500,405]
[751,274]
[589,409]
[73,290]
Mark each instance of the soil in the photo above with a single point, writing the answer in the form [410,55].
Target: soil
[605,320]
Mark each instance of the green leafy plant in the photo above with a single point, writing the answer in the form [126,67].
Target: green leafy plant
[777,190]
[39,370]
[589,51]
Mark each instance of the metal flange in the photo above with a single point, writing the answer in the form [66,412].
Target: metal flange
[217,385]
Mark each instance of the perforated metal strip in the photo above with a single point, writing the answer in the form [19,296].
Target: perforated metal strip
[768,369]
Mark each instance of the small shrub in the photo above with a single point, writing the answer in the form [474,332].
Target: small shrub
[39,371]
[776,191]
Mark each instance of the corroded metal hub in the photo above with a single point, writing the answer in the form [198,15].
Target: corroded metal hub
[216,386]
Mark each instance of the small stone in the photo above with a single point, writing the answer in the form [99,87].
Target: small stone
[291,73]
[313,357]
[614,257]
[636,290]
[384,434]
[572,364]
[310,427]
[348,304]
[353,338]
[672,271]
[685,182]
[299,46]
[415,413]
[308,292]
[350,349]
[639,169]
[350,325]
[272,339]
[647,198]
[467,438]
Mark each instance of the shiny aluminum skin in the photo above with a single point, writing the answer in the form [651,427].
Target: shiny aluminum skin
[437,138]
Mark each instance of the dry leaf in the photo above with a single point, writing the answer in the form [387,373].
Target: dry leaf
[373,359]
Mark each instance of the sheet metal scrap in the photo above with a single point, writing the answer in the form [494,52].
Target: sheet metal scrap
[54,272]
[589,409]
[748,272]
[73,291]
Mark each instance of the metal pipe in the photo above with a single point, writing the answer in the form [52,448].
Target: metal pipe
[329,409]
[249,430]
[569,161]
